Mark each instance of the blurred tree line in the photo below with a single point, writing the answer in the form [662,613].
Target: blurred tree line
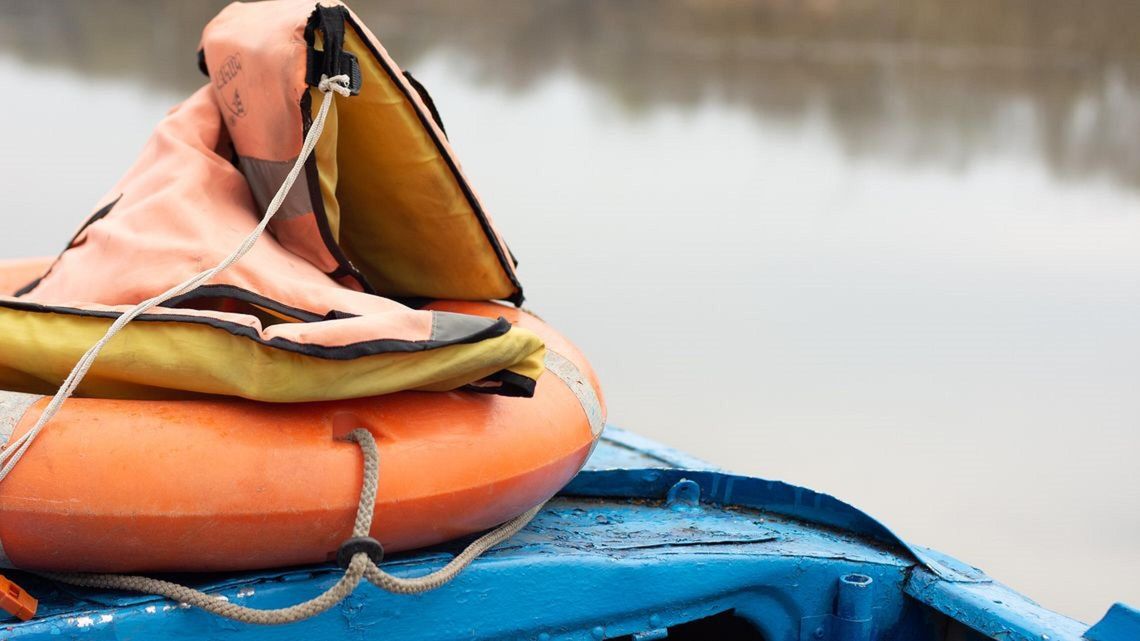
[913,80]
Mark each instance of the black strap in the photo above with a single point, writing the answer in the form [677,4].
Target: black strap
[315,66]
[98,215]
[332,60]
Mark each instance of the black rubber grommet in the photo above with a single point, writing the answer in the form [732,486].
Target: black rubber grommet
[356,545]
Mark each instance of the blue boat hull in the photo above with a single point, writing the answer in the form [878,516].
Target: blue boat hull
[646,543]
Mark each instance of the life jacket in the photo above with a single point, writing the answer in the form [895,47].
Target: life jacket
[323,307]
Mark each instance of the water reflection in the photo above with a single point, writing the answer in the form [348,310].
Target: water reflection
[883,249]
[919,82]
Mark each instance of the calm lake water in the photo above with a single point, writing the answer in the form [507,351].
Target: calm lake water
[886,250]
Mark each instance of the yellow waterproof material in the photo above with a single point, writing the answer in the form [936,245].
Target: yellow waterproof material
[298,318]
[419,206]
[170,355]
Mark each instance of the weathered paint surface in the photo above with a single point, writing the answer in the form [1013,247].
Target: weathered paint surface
[627,550]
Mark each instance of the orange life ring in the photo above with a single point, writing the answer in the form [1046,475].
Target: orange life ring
[211,485]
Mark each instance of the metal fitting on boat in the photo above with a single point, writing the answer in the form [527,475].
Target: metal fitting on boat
[853,608]
[683,496]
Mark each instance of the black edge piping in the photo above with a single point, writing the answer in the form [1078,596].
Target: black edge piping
[511,384]
[343,352]
[245,296]
[97,216]
[422,90]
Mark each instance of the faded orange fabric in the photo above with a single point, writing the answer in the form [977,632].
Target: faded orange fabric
[181,209]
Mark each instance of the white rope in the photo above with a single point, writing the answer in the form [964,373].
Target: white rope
[360,567]
[16,449]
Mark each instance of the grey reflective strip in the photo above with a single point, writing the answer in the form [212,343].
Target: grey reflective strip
[12,408]
[450,327]
[265,177]
[568,373]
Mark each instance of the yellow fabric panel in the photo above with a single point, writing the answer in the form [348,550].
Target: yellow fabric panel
[326,154]
[405,222]
[176,359]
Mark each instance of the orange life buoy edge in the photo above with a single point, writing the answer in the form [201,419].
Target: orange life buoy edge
[213,485]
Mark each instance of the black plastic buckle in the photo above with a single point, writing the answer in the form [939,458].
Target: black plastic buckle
[356,545]
[348,65]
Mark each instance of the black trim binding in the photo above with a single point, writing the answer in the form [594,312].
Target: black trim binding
[251,298]
[492,238]
[32,285]
[316,198]
[510,384]
[426,97]
[340,272]
[97,216]
[245,296]
[339,353]
[336,314]
[100,214]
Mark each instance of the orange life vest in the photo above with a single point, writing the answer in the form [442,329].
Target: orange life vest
[381,219]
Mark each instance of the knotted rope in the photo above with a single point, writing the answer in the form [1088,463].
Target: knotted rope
[360,566]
